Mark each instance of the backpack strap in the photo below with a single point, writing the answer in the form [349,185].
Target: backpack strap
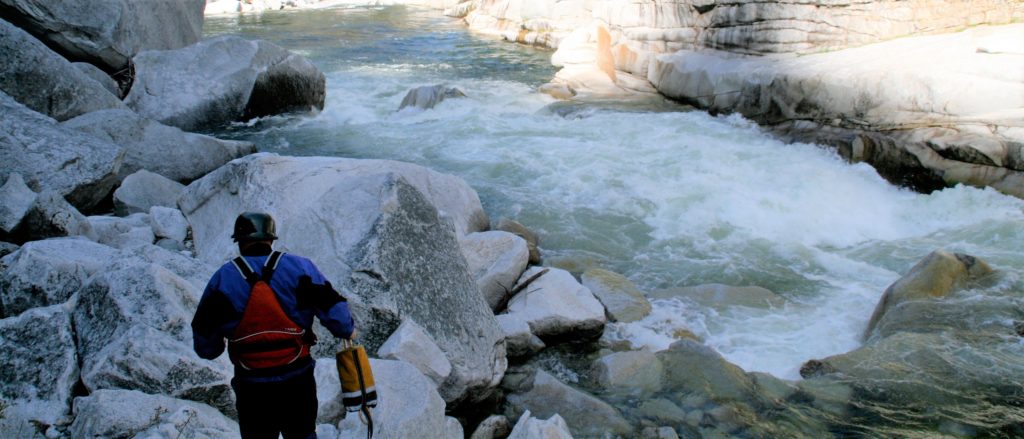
[246,271]
[270,266]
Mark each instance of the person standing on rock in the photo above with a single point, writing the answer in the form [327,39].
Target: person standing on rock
[263,303]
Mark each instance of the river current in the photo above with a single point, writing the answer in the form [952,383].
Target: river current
[663,195]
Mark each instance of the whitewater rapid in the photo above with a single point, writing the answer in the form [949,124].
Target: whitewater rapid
[667,198]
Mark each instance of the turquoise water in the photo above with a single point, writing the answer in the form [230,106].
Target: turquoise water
[665,196]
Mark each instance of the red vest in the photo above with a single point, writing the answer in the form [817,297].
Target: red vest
[265,337]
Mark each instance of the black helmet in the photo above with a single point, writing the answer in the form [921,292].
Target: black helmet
[254,226]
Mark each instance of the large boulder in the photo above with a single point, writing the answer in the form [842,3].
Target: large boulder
[143,190]
[545,396]
[496,260]
[129,413]
[80,167]
[39,368]
[623,301]
[372,227]
[108,32]
[48,272]
[555,305]
[43,81]
[158,148]
[51,216]
[223,79]
[122,232]
[408,404]
[937,275]
[412,345]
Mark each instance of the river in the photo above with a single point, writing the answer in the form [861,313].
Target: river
[663,195]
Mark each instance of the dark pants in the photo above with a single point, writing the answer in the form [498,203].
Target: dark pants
[285,407]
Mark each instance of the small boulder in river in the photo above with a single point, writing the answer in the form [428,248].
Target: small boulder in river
[621,299]
[158,148]
[514,227]
[428,96]
[221,80]
[937,275]
[44,81]
[555,305]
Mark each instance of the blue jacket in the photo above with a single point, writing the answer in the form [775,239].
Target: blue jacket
[301,289]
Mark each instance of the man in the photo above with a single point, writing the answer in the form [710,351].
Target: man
[263,304]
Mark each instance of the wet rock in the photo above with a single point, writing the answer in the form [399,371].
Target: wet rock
[396,252]
[629,372]
[140,191]
[125,232]
[661,411]
[39,367]
[408,406]
[130,413]
[15,200]
[412,345]
[519,341]
[223,79]
[158,148]
[80,167]
[511,226]
[42,80]
[588,416]
[168,223]
[496,259]
[695,368]
[720,297]
[659,433]
[556,305]
[621,299]
[494,427]
[43,273]
[831,397]
[109,32]
[557,91]
[99,76]
[529,427]
[428,96]
[51,216]
[937,275]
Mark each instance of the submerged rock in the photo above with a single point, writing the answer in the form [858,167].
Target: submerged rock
[543,395]
[130,413]
[428,96]
[42,80]
[629,372]
[621,299]
[721,297]
[223,79]
[694,368]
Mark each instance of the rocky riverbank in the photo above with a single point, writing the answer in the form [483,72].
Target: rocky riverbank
[114,216]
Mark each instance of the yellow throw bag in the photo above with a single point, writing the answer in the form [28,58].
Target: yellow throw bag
[358,392]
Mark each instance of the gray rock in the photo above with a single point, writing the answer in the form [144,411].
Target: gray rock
[408,404]
[80,167]
[196,272]
[691,367]
[130,413]
[140,191]
[158,148]
[48,272]
[168,223]
[721,297]
[99,76]
[494,427]
[122,232]
[51,216]
[109,32]
[44,81]
[621,299]
[15,200]
[428,96]
[395,253]
[330,409]
[556,305]
[628,372]
[223,79]
[588,416]
[7,248]
[144,359]
[661,411]
[529,427]
[412,345]
[39,367]
[532,240]
[937,275]
[519,341]
[496,259]
[453,428]
[170,244]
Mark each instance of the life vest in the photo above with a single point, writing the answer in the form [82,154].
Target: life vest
[265,337]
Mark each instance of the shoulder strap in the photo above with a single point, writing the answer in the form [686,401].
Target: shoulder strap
[270,266]
[244,268]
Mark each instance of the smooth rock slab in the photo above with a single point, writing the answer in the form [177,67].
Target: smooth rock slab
[44,81]
[556,305]
[130,413]
[43,273]
[140,191]
[623,301]
[80,167]
[496,260]
[412,345]
[39,366]
[158,148]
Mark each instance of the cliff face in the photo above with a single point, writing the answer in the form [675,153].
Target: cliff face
[925,90]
